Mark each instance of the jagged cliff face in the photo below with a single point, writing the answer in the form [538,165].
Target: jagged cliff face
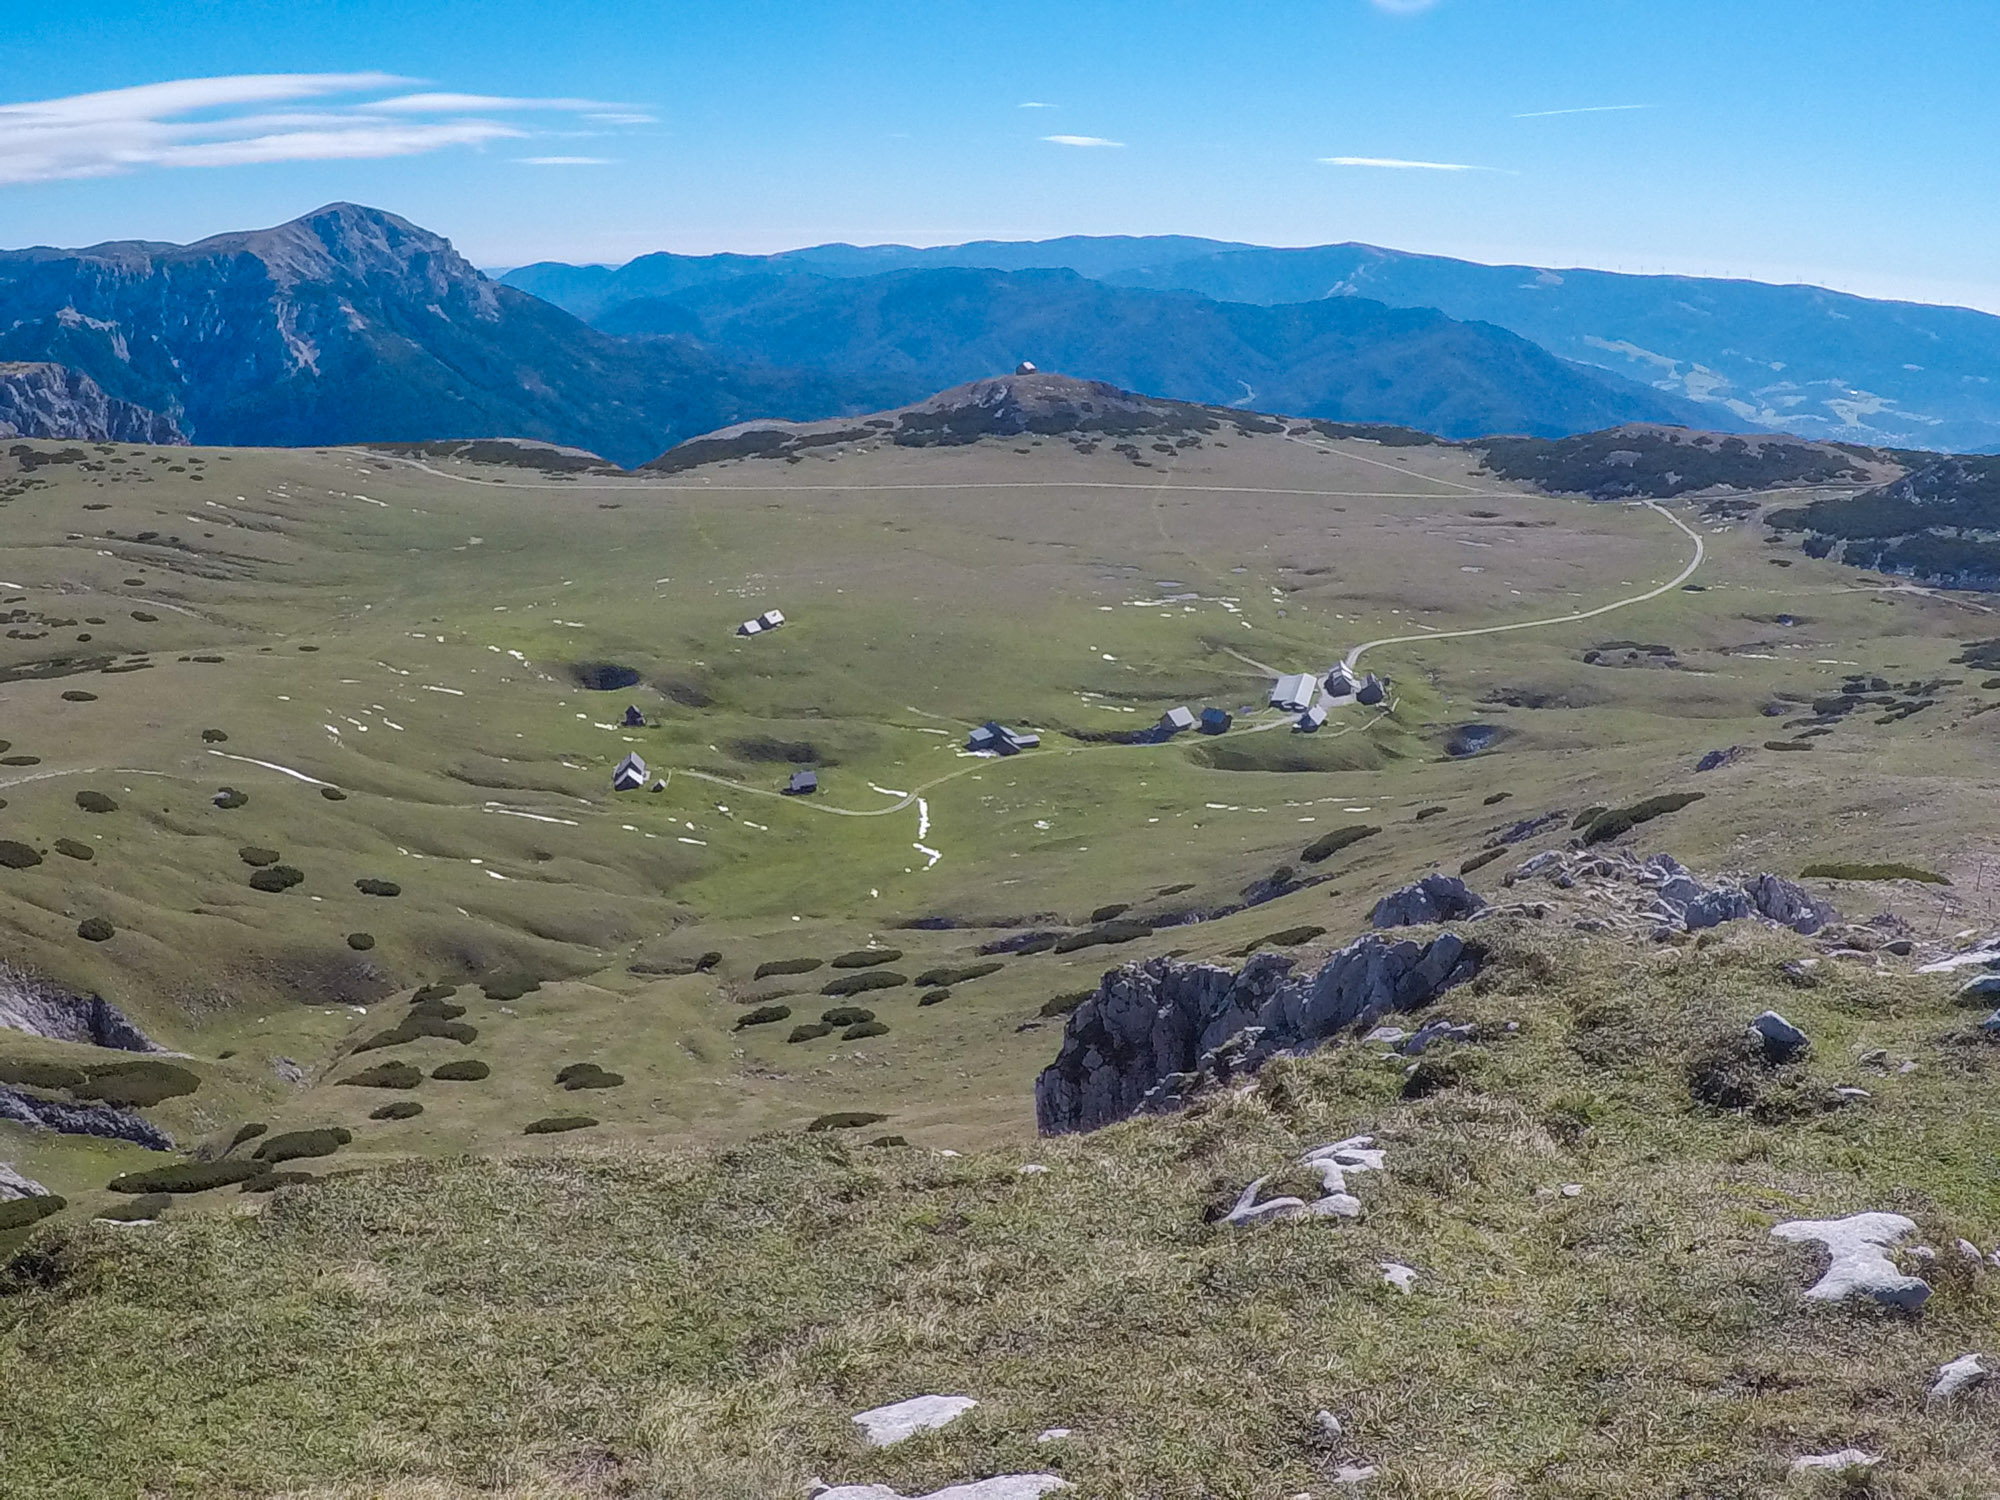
[49,401]
[353,325]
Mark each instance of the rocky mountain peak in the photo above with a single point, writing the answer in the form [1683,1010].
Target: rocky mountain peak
[43,400]
[345,242]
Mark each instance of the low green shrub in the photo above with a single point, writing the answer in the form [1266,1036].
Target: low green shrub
[1036,942]
[1837,871]
[369,886]
[361,942]
[935,997]
[188,1177]
[866,958]
[95,802]
[96,930]
[847,1119]
[1104,933]
[1062,1005]
[1429,812]
[229,797]
[20,760]
[75,849]
[1329,844]
[1496,798]
[138,1085]
[1291,937]
[1589,815]
[78,695]
[1115,909]
[846,1015]
[257,856]
[276,878]
[763,1015]
[435,1010]
[145,1206]
[19,1213]
[859,984]
[1482,859]
[434,992]
[297,1145]
[248,1132]
[270,1182]
[402,1109]
[1614,821]
[555,1124]
[418,1024]
[787,966]
[889,1140]
[963,974]
[509,986]
[1788,744]
[40,1075]
[810,1031]
[17,856]
[214,737]
[588,1075]
[863,1030]
[388,1075]
[469,1070]
[333,794]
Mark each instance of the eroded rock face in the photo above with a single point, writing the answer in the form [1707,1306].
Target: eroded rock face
[1660,893]
[1435,898]
[41,400]
[32,1004]
[1155,1031]
[104,1120]
[14,1185]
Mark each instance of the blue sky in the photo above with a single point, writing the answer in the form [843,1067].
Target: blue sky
[1846,142]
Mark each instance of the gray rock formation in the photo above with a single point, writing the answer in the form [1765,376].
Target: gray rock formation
[104,1120]
[1858,1262]
[1659,892]
[1962,1374]
[44,400]
[1435,898]
[32,1004]
[14,1185]
[1155,1031]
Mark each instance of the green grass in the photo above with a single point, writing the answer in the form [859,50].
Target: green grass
[1835,870]
[1646,1336]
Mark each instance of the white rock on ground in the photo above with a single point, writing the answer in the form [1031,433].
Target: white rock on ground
[1328,1424]
[1354,1473]
[1836,1463]
[1860,1264]
[884,1425]
[1334,1163]
[1962,1374]
[1052,1435]
[1401,1277]
[1001,1487]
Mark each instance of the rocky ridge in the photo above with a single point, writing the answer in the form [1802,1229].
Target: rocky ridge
[43,400]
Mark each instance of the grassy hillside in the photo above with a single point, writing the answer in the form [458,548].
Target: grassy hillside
[1599,1306]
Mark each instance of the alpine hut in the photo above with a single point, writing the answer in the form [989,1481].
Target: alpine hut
[802,784]
[630,775]
[1295,693]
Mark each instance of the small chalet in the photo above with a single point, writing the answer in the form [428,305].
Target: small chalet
[1176,721]
[1371,692]
[1340,683]
[1295,693]
[770,620]
[633,718]
[802,784]
[1216,720]
[998,739]
[1311,719]
[630,775]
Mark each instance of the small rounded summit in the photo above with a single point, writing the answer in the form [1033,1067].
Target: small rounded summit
[1026,367]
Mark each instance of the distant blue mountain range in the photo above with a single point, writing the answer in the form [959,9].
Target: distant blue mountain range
[1729,354]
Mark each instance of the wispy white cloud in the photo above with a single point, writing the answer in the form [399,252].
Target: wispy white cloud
[1587,109]
[1034,104]
[229,121]
[1397,164]
[1080,140]
[564,161]
[1403,7]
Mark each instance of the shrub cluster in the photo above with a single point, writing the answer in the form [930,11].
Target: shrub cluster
[588,1075]
[421,1022]
[17,856]
[857,984]
[230,796]
[402,1109]
[248,1132]
[510,987]
[296,1145]
[95,930]
[469,1070]
[188,1177]
[1062,1005]
[846,1015]
[962,974]
[145,1206]
[361,942]
[138,1084]
[864,1029]
[763,1015]
[388,1075]
[810,1031]
[75,849]
[787,966]
[276,878]
[1614,821]
[39,1075]
[1837,871]
[257,856]
[1104,933]
[19,1213]
[848,1119]
[434,992]
[555,1124]
[95,802]
[333,794]
[1329,844]
[867,958]
[934,997]
[368,886]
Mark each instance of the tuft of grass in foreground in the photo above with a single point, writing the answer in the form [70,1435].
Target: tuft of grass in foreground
[426,1328]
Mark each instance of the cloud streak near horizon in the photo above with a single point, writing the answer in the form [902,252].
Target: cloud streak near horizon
[1587,109]
[1086,141]
[229,121]
[1398,164]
